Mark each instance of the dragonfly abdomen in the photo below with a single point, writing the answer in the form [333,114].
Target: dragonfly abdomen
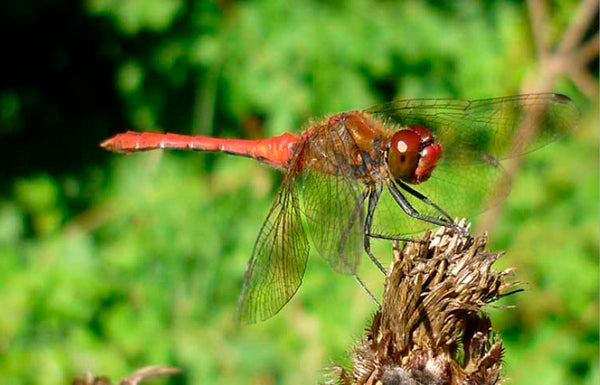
[276,151]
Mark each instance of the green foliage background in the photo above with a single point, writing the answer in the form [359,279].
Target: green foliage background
[111,263]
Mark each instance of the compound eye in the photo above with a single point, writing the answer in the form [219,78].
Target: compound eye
[403,155]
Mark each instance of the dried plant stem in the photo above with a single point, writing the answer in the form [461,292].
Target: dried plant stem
[133,379]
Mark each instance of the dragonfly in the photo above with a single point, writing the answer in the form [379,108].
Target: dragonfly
[379,173]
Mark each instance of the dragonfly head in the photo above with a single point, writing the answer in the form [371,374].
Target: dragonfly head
[413,155]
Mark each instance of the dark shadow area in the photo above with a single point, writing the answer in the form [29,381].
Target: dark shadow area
[57,94]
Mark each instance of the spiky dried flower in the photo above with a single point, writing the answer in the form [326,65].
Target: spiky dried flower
[431,328]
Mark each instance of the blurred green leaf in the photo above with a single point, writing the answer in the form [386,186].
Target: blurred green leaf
[135,15]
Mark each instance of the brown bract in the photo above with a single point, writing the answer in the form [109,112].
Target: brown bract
[432,328]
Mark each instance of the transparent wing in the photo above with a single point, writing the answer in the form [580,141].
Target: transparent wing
[278,260]
[332,201]
[334,212]
[504,127]
[473,134]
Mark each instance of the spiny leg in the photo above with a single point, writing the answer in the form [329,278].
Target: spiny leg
[373,194]
[447,221]
[393,238]
[425,200]
[450,221]
[369,293]
[358,213]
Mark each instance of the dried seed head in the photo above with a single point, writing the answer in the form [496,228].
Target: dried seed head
[431,328]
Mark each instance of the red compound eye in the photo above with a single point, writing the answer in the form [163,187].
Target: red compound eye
[403,156]
[413,155]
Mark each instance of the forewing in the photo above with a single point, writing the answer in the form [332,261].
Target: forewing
[278,260]
[469,130]
[474,135]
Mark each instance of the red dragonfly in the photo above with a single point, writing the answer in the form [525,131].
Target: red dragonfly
[349,173]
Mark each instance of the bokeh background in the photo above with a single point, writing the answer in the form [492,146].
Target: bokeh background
[110,263]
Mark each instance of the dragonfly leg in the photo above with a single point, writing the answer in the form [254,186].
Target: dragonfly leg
[369,293]
[446,221]
[426,200]
[373,194]
[393,237]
